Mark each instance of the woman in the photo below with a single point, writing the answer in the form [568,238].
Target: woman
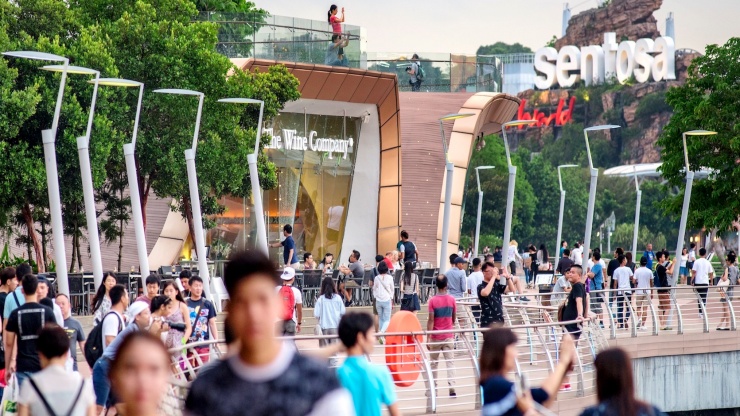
[178,310]
[498,359]
[410,289]
[334,20]
[630,263]
[328,310]
[326,264]
[513,255]
[615,387]
[140,374]
[684,271]
[543,259]
[101,301]
[383,291]
[308,262]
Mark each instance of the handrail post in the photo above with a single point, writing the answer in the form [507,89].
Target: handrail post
[733,321]
[608,313]
[428,378]
[703,308]
[543,341]
[633,320]
[674,303]
[653,314]
[472,353]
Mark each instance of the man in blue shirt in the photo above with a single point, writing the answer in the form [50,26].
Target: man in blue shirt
[456,277]
[597,283]
[370,385]
[650,255]
[290,254]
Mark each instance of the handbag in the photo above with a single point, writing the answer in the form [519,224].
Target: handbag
[545,267]
[561,310]
[317,330]
[407,302]
[9,404]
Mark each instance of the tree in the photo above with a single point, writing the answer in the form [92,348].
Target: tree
[708,100]
[502,48]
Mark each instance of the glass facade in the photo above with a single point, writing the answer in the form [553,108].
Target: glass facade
[315,158]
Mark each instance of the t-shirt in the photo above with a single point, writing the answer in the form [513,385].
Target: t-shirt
[60,388]
[456,282]
[388,263]
[577,256]
[26,321]
[662,276]
[559,287]
[613,265]
[336,24]
[570,313]
[598,279]
[473,280]
[650,257]
[415,68]
[703,269]
[357,269]
[329,310]
[145,299]
[335,212]
[113,323]
[76,334]
[296,295]
[563,265]
[13,301]
[291,385]
[643,276]
[444,308]
[499,397]
[201,311]
[370,385]
[497,256]
[491,306]
[622,276]
[331,57]
[289,244]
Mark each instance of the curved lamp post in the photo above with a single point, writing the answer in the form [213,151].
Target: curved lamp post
[450,170]
[50,161]
[480,205]
[686,196]
[253,173]
[560,216]
[512,182]
[200,244]
[83,153]
[592,190]
[129,150]
[637,214]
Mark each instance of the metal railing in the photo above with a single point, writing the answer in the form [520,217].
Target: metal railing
[456,366]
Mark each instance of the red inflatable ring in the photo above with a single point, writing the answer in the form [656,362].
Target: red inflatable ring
[401,353]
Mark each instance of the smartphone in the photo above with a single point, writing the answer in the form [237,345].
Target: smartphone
[521,385]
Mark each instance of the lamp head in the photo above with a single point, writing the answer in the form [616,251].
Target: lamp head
[177,91]
[518,123]
[40,56]
[700,133]
[602,127]
[455,116]
[240,101]
[567,166]
[71,69]
[484,167]
[116,82]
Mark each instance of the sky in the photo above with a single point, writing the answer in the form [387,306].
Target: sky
[460,26]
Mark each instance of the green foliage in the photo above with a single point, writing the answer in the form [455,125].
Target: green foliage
[551,43]
[623,233]
[502,48]
[651,105]
[709,100]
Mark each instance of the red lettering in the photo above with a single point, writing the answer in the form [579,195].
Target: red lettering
[560,117]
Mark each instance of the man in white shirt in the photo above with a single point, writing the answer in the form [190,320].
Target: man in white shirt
[702,274]
[577,254]
[292,326]
[560,290]
[623,276]
[644,278]
[475,278]
[113,322]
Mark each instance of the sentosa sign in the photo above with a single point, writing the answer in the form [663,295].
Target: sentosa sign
[645,59]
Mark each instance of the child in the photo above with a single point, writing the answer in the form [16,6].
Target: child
[369,384]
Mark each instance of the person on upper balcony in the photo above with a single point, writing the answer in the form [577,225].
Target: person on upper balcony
[334,52]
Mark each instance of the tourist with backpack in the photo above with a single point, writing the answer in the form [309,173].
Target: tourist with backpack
[291,313]
[416,73]
[202,321]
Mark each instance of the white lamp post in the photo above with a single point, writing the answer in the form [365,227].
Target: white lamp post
[52,177]
[637,215]
[200,244]
[480,205]
[253,173]
[686,197]
[129,150]
[450,170]
[83,152]
[592,191]
[560,216]
[512,183]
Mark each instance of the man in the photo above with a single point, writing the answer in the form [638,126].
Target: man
[414,73]
[369,384]
[596,274]
[288,382]
[644,279]
[475,278]
[72,328]
[456,277]
[43,293]
[442,316]
[576,255]
[292,316]
[202,318]
[561,289]
[575,308]
[153,283]
[702,274]
[565,262]
[355,268]
[53,386]
[113,322]
[497,255]
[290,254]
[408,249]
[664,292]
[15,298]
[650,256]
[612,266]
[23,326]
[623,276]
[184,281]
[563,247]
[489,295]
[332,56]
[691,256]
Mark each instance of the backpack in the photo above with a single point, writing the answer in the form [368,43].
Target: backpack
[94,344]
[288,297]
[419,72]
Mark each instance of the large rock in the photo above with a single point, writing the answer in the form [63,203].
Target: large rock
[631,19]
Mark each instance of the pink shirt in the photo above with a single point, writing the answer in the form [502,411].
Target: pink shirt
[336,24]
[443,307]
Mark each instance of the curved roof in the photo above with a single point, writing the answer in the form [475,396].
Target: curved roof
[647,170]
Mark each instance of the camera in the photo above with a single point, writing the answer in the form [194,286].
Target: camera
[177,326]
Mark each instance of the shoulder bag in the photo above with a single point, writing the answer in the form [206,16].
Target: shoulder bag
[409,302]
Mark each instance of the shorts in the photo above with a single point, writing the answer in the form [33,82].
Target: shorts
[683,271]
[597,299]
[574,330]
[288,328]
[642,300]
[512,265]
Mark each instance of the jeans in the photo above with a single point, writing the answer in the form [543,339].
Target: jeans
[415,86]
[338,62]
[527,275]
[701,289]
[621,306]
[384,314]
[22,376]
[101,383]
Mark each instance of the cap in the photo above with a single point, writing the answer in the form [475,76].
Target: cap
[288,273]
[459,260]
[136,308]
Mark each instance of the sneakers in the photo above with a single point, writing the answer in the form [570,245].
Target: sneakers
[524,299]
[565,387]
[453,395]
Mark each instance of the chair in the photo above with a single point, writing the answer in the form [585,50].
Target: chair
[311,287]
[397,285]
[77,293]
[365,297]
[165,270]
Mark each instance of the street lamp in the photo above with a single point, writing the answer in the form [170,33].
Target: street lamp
[637,214]
[83,153]
[592,190]
[480,205]
[686,196]
[450,169]
[512,182]
[560,216]
[48,138]
[129,150]
[253,173]
[200,244]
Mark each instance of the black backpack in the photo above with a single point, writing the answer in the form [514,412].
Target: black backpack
[94,344]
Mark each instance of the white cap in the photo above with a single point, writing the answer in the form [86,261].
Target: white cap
[288,273]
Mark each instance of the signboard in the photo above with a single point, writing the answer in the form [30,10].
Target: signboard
[291,140]
[644,59]
[560,117]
